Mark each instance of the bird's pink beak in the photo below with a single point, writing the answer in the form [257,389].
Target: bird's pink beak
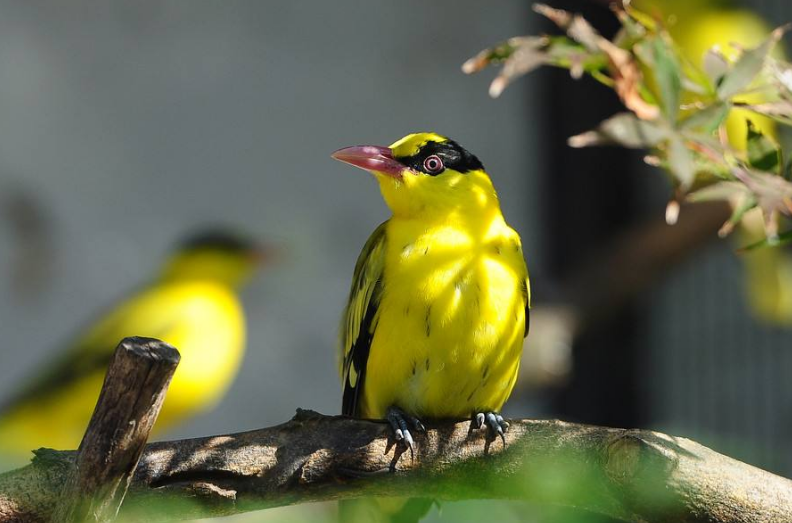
[371,158]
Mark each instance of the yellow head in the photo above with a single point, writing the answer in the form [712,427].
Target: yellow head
[215,255]
[425,175]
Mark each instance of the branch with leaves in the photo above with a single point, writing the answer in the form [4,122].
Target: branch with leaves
[675,110]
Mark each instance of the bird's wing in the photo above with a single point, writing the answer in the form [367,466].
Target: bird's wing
[359,321]
[91,352]
[526,290]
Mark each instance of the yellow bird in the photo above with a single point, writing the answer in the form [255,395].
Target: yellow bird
[193,305]
[439,302]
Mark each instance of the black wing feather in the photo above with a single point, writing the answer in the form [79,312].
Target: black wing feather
[360,319]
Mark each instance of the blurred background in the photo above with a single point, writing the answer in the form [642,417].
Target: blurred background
[126,125]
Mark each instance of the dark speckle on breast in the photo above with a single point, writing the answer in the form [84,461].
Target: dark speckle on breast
[427,322]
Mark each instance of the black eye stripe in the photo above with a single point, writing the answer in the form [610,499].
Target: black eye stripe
[451,153]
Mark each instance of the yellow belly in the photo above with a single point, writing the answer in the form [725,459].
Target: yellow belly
[450,326]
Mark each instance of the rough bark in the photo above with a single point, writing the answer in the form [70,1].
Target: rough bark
[633,475]
[132,394]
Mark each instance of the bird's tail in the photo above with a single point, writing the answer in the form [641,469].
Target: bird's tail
[383,510]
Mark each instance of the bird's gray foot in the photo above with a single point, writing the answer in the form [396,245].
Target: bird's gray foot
[493,422]
[401,423]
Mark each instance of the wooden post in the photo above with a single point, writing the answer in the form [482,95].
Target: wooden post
[132,395]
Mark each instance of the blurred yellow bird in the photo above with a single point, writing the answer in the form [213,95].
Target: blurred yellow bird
[439,302]
[193,305]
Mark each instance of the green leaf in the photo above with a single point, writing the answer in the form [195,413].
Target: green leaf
[668,76]
[745,204]
[501,52]
[724,190]
[747,67]
[782,239]
[565,52]
[715,65]
[772,192]
[694,78]
[707,119]
[642,18]
[624,129]
[763,154]
[680,161]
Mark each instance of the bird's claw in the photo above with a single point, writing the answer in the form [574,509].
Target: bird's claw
[493,422]
[401,422]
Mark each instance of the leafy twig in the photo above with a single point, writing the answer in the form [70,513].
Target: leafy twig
[649,73]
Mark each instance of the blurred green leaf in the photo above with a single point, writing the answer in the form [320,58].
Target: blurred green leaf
[565,52]
[640,17]
[745,204]
[747,67]
[644,51]
[501,52]
[694,78]
[715,65]
[707,119]
[624,129]
[725,190]
[528,54]
[763,154]
[630,32]
[773,193]
[668,77]
[575,25]
[680,161]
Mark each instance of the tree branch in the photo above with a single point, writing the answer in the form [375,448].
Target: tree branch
[132,394]
[633,475]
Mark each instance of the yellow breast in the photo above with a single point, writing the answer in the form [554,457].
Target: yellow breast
[451,319]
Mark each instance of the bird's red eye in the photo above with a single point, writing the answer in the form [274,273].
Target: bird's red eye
[433,164]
